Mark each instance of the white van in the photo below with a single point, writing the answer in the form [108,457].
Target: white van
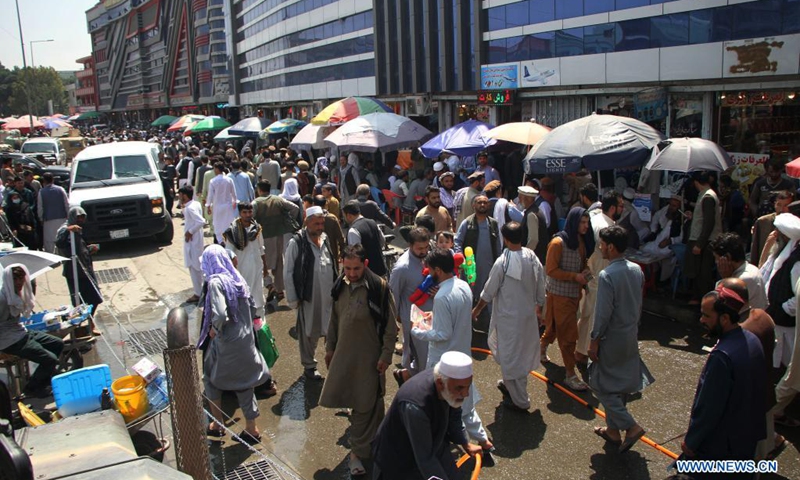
[51,149]
[119,186]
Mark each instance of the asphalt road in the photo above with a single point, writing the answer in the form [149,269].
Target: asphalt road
[554,440]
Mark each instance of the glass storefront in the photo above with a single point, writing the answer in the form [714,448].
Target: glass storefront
[760,122]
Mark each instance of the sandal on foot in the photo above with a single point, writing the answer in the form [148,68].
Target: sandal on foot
[630,441]
[602,432]
[787,421]
[213,432]
[398,376]
[248,438]
[780,447]
[356,467]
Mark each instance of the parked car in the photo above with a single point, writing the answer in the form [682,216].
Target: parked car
[119,187]
[51,148]
[60,174]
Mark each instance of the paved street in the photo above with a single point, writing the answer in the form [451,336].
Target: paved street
[554,441]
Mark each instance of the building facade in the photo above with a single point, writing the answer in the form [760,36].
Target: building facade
[292,57]
[85,92]
[725,70]
[154,57]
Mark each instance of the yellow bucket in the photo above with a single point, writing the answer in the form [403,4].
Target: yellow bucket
[130,396]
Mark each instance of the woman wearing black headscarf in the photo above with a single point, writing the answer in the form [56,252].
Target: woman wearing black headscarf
[566,276]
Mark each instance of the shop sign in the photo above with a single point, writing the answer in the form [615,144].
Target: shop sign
[747,99]
[539,73]
[651,105]
[179,101]
[749,167]
[499,77]
[221,86]
[552,166]
[505,97]
[761,56]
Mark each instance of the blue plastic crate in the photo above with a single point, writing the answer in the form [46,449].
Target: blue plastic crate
[79,391]
[34,322]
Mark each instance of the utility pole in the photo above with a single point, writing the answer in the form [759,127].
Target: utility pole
[24,67]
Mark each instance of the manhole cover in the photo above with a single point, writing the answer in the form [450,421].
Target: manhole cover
[148,342]
[113,275]
[260,470]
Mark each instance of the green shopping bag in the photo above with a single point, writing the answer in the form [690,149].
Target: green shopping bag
[266,344]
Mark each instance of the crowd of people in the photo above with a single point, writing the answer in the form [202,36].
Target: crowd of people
[549,263]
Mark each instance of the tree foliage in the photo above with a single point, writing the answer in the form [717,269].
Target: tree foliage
[42,84]
[6,83]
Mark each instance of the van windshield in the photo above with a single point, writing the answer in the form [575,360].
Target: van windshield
[38,148]
[108,168]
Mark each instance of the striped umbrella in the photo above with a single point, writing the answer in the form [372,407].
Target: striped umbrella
[184,122]
[208,124]
[349,108]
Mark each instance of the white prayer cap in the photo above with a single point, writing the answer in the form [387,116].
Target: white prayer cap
[315,210]
[438,167]
[455,365]
[629,193]
[789,225]
[527,191]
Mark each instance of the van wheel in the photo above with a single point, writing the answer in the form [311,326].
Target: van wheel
[165,237]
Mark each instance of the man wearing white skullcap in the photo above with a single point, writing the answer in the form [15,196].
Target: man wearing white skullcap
[414,439]
[310,269]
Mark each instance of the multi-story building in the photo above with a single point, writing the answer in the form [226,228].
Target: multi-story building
[292,56]
[726,70]
[85,91]
[158,56]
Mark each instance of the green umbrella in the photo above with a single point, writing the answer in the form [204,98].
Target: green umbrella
[89,115]
[208,124]
[163,121]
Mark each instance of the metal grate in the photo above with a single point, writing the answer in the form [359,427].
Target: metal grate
[260,470]
[113,275]
[148,342]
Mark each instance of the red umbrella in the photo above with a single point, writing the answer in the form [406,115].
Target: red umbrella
[22,124]
[793,168]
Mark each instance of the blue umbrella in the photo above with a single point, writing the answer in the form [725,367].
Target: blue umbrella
[464,139]
[249,127]
[598,142]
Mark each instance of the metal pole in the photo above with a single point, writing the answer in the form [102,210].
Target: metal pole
[24,66]
[186,398]
[76,294]
[33,62]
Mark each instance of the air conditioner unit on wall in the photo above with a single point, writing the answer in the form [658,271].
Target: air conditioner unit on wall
[417,105]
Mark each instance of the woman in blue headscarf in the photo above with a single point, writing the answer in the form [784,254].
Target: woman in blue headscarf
[566,276]
[231,361]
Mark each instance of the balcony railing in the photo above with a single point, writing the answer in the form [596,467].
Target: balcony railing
[86,72]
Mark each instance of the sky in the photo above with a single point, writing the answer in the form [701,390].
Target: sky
[63,21]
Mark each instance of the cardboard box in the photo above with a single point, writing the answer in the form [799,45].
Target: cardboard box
[147,369]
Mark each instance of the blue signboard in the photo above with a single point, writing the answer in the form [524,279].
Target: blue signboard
[499,77]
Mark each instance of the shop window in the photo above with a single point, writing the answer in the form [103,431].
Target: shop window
[669,30]
[757,19]
[598,38]
[516,14]
[598,6]
[569,42]
[569,9]
[633,35]
[541,10]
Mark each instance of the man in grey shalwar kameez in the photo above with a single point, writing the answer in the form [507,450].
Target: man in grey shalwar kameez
[310,270]
[617,369]
[516,290]
[404,280]
[231,361]
[451,330]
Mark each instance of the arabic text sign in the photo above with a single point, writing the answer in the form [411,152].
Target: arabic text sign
[499,77]
[761,56]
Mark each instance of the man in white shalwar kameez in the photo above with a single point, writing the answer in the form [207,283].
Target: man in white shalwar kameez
[193,223]
[449,328]
[516,290]
[244,239]
[310,270]
[221,201]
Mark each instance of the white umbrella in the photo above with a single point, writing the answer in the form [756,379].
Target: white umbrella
[36,262]
[311,137]
[225,135]
[689,155]
[524,133]
[383,131]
